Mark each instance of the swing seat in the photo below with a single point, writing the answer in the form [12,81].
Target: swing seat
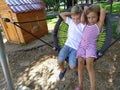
[103,42]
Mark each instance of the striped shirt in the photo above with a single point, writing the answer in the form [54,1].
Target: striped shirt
[90,36]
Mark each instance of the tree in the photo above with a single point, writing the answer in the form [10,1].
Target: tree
[71,3]
[52,4]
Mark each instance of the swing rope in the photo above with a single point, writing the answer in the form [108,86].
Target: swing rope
[16,24]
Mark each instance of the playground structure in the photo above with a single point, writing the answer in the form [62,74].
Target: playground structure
[104,39]
[23,11]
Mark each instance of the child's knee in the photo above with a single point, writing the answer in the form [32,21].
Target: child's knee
[89,65]
[73,67]
[60,63]
[90,61]
[81,61]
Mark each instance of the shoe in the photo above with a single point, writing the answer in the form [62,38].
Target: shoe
[61,75]
[77,88]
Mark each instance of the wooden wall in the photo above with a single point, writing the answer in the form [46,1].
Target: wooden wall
[15,34]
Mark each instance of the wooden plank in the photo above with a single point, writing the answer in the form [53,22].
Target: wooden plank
[41,25]
[14,33]
[9,29]
[3,6]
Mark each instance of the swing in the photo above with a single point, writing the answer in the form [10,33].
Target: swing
[103,42]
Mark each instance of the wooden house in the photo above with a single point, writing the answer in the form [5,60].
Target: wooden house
[23,11]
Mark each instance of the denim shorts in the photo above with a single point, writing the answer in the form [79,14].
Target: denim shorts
[70,53]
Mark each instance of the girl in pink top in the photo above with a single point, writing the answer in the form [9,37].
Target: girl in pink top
[88,46]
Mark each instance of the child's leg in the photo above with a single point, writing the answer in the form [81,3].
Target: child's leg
[80,72]
[61,66]
[90,68]
[73,63]
[62,70]
[62,56]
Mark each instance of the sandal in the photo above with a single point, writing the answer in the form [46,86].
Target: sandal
[61,75]
[77,88]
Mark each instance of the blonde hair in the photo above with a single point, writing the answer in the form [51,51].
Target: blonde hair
[76,10]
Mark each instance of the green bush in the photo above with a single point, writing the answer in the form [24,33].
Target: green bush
[115,7]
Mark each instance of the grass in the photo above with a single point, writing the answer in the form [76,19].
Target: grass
[115,7]
[52,19]
[1,30]
[51,23]
[115,10]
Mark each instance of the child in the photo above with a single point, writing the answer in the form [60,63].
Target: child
[73,39]
[88,46]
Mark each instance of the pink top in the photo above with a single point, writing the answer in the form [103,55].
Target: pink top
[89,37]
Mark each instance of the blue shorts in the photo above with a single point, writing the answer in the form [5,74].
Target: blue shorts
[70,53]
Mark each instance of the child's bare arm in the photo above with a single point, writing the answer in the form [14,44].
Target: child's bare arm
[64,15]
[85,8]
[83,16]
[102,18]
[83,20]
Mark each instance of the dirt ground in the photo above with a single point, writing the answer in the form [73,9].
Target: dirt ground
[34,66]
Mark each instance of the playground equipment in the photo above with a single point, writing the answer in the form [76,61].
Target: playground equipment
[23,11]
[104,39]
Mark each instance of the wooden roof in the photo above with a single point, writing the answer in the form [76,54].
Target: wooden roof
[20,6]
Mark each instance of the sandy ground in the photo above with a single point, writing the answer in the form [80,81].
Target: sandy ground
[34,66]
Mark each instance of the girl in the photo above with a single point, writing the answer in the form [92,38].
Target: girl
[88,46]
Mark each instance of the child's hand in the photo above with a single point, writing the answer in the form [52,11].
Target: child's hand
[64,15]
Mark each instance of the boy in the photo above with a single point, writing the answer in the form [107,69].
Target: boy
[75,31]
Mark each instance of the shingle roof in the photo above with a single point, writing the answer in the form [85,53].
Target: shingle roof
[20,6]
